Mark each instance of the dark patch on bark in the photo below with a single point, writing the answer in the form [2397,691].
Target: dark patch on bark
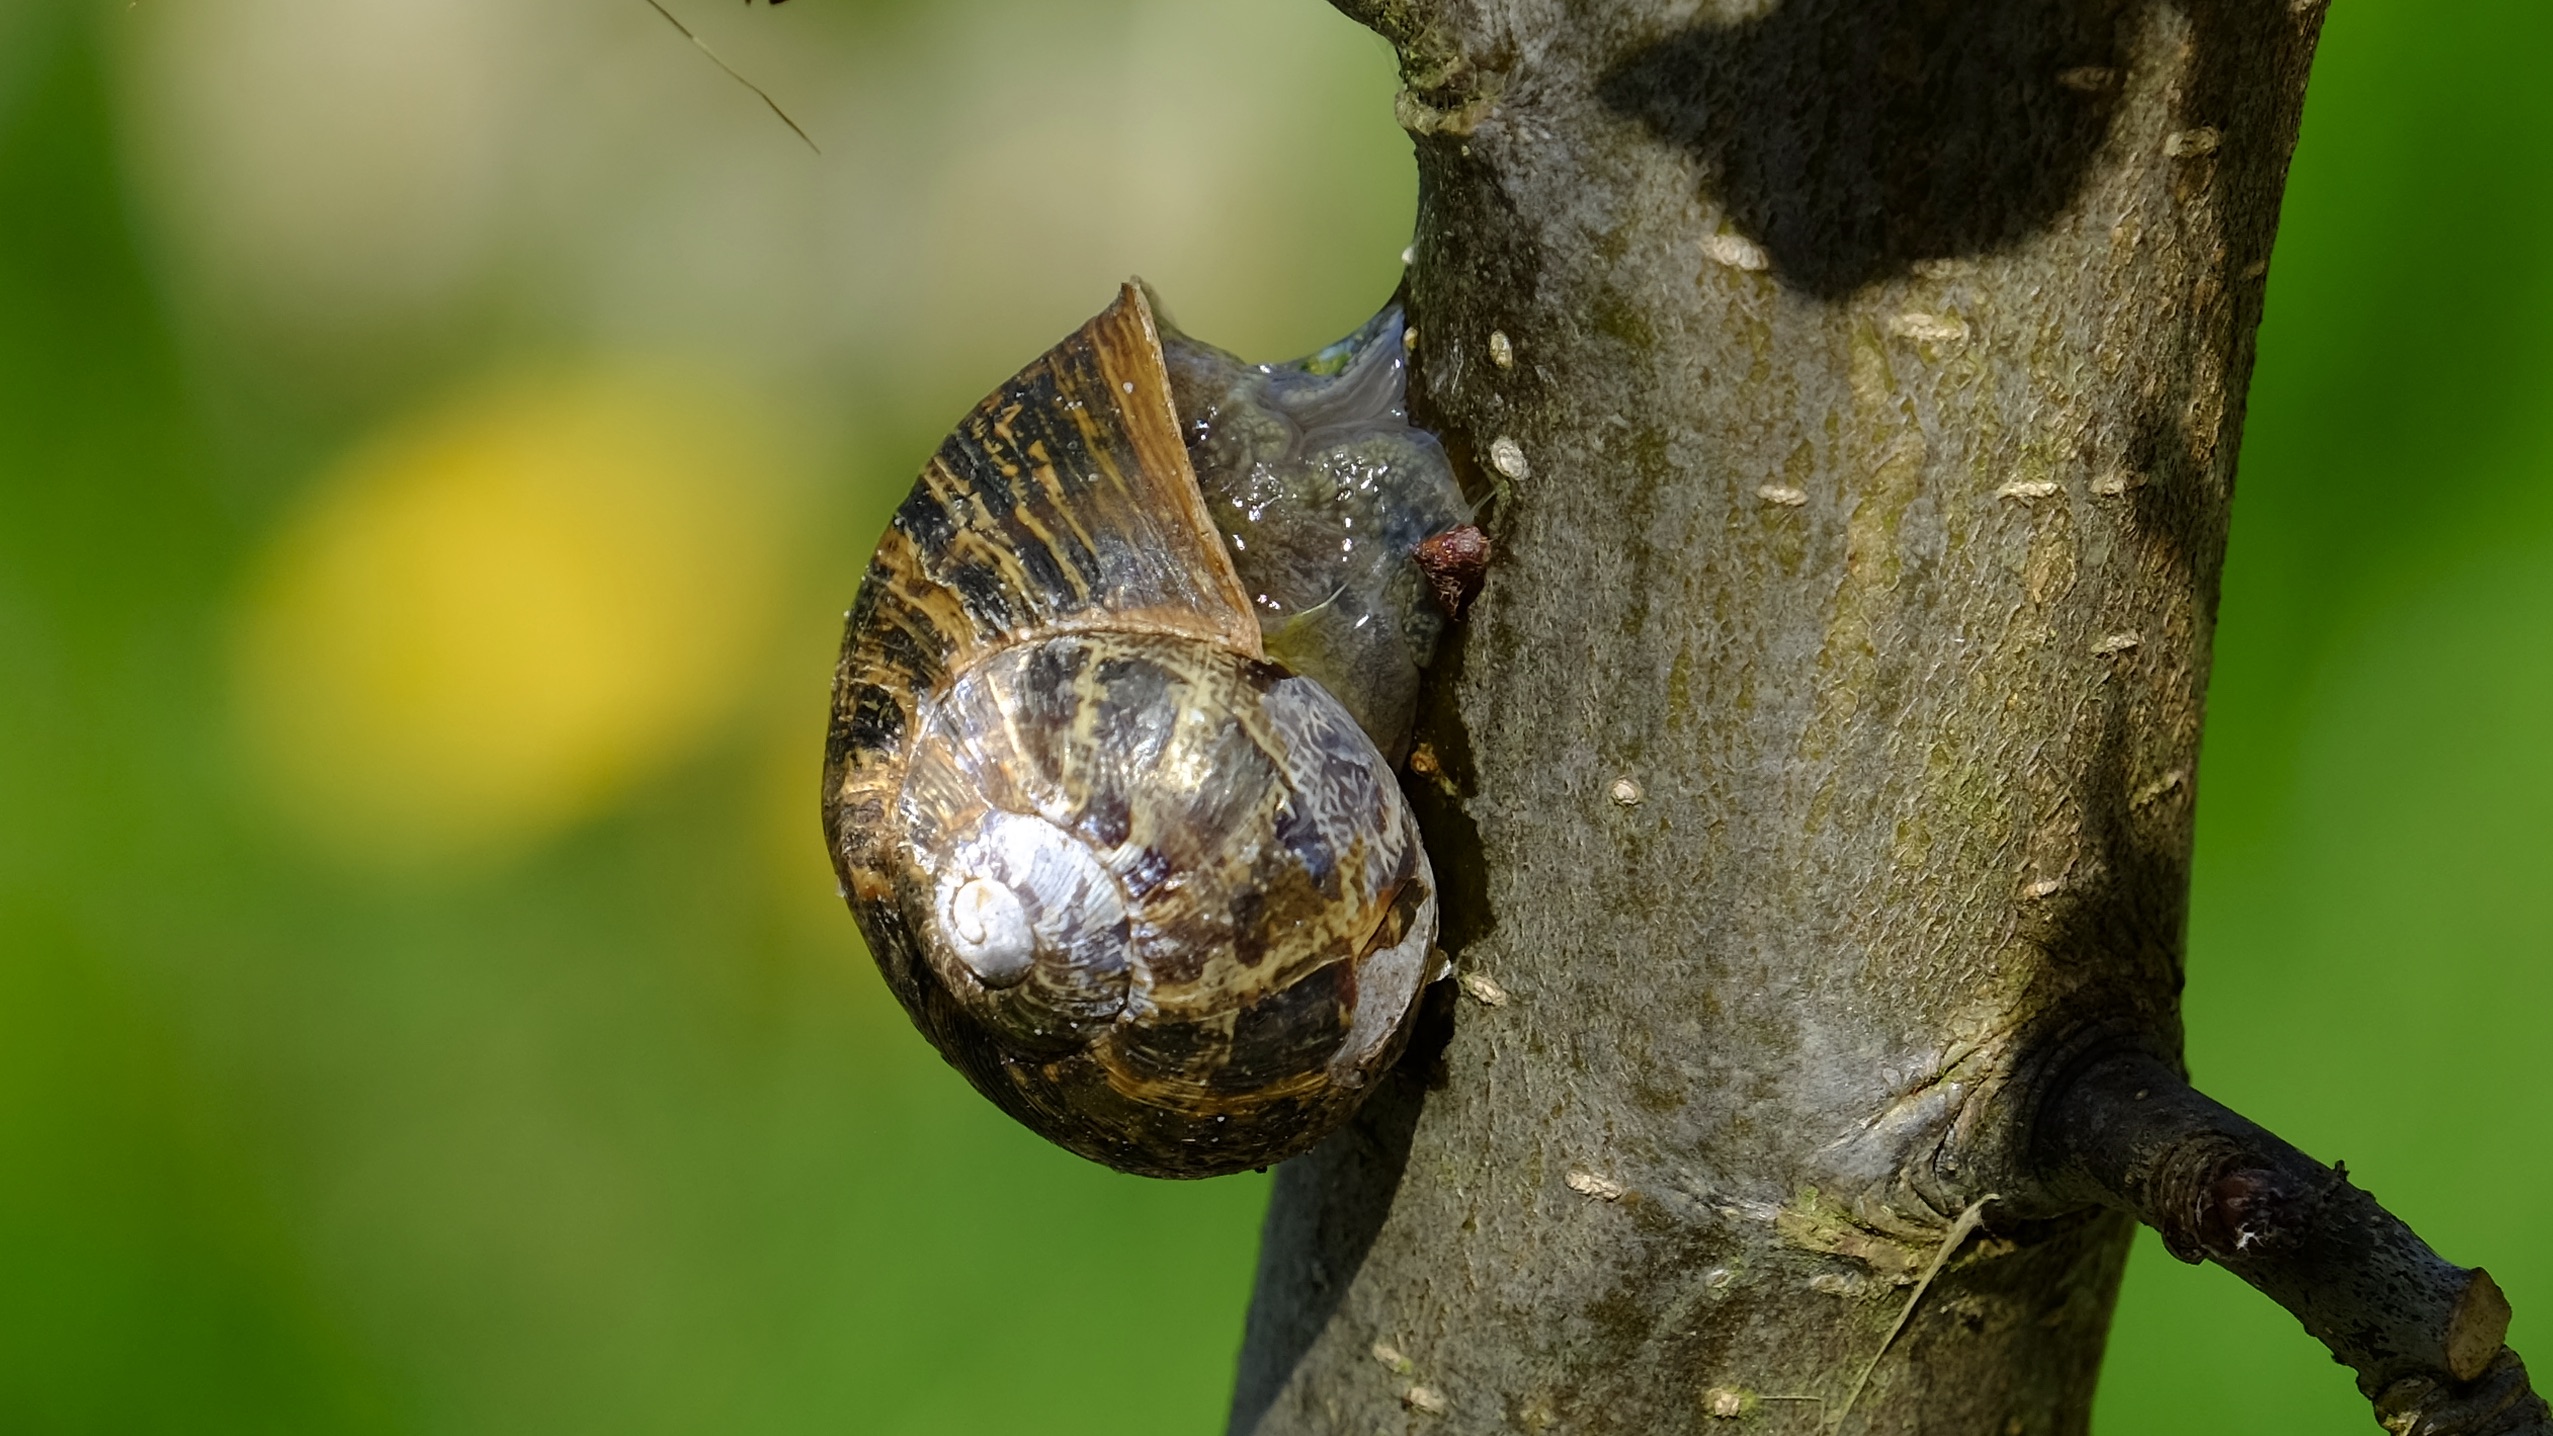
[2129,912]
[1852,138]
[1457,189]
[2118,937]
[1458,293]
[1451,834]
[1329,1205]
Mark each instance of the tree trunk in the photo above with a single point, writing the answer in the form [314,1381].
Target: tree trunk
[1860,382]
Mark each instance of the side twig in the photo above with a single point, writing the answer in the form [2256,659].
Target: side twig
[2423,1334]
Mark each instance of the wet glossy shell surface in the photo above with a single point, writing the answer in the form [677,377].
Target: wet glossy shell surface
[1155,896]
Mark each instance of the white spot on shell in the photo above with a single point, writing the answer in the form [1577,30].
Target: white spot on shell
[1588,1184]
[1508,457]
[1409,340]
[1426,1400]
[1783,494]
[1127,385]
[988,929]
[2043,888]
[1625,792]
[1483,989]
[1013,888]
[1736,251]
[2028,489]
[2201,141]
[1723,1403]
[1502,351]
[1409,256]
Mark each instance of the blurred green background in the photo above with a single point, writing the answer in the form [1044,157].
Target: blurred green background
[436,442]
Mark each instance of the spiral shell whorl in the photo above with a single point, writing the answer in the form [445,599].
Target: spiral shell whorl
[1180,957]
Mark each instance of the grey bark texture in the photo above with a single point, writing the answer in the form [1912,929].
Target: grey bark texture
[1811,788]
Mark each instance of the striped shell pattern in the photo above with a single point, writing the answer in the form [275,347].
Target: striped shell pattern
[1155,895]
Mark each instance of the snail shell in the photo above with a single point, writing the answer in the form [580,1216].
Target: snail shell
[1157,896]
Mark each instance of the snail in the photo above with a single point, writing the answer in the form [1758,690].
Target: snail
[1107,782]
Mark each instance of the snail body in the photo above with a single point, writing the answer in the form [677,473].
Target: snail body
[1323,493]
[1154,893]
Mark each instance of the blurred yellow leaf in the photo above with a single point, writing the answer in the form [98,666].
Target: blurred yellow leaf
[492,619]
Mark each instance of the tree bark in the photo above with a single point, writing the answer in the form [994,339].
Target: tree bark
[1860,383]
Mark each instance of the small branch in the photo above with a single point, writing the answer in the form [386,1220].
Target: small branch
[2423,1334]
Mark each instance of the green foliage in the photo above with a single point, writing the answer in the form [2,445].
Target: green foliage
[623,1139]
[149,1287]
[621,1136]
